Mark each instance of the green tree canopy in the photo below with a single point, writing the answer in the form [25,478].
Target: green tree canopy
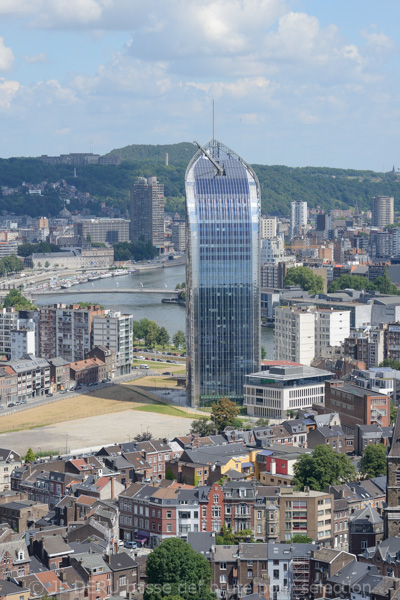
[163,337]
[299,538]
[174,568]
[373,462]
[179,339]
[17,300]
[391,362]
[305,278]
[224,413]
[381,284]
[202,427]
[30,456]
[321,468]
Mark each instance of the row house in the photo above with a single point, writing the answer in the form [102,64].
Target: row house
[14,559]
[21,474]
[9,460]
[33,376]
[20,515]
[239,498]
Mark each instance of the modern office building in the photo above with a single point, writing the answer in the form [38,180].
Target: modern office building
[298,217]
[115,331]
[382,208]
[147,211]
[223,274]
[284,386]
[110,231]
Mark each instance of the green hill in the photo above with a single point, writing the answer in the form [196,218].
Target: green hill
[177,153]
[280,185]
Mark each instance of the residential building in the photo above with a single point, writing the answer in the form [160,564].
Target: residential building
[272,250]
[14,559]
[306,513]
[365,530]
[392,511]
[178,235]
[59,374]
[222,274]
[9,460]
[147,211]
[382,208]
[20,515]
[107,356]
[295,334]
[33,376]
[268,227]
[283,386]
[66,331]
[298,217]
[88,371]
[331,329]
[8,385]
[115,331]
[104,230]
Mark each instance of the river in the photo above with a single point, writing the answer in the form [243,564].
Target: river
[142,306]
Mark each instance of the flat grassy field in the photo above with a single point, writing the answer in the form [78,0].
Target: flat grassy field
[158,382]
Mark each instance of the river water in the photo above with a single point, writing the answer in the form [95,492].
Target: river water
[142,306]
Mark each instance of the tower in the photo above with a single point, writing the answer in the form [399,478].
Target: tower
[298,217]
[222,274]
[392,510]
[382,208]
[147,211]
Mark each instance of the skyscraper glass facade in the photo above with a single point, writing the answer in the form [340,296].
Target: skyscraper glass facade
[223,274]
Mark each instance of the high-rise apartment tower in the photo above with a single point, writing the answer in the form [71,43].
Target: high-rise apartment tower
[298,217]
[147,211]
[382,208]
[222,274]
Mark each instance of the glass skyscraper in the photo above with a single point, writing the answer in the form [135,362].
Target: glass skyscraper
[223,274]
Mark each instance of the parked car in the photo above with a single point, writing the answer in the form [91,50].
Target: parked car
[129,544]
[167,373]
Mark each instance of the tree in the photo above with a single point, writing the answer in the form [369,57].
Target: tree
[202,427]
[152,334]
[299,538]
[140,329]
[263,353]
[392,363]
[179,339]
[163,337]
[17,300]
[174,568]
[322,468]
[384,284]
[169,474]
[262,423]
[145,436]
[305,278]
[30,456]
[224,413]
[373,462]
[46,264]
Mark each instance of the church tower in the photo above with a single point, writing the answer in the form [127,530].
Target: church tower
[392,511]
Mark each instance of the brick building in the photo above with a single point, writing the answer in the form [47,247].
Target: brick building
[89,370]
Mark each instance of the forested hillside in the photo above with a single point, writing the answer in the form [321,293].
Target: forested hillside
[329,188]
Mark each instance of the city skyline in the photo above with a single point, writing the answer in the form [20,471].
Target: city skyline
[296,82]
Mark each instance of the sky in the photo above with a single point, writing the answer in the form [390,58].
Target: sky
[295,82]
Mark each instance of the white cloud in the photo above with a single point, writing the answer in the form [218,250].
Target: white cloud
[8,90]
[36,58]
[6,56]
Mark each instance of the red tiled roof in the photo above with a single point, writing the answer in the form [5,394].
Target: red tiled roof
[89,500]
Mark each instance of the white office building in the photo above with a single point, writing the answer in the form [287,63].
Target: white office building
[298,217]
[115,331]
[284,387]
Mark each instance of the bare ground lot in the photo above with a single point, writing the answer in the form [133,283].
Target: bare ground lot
[104,416]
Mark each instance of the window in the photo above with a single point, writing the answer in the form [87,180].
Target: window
[276,573]
[364,544]
[259,514]
[122,580]
[222,578]
[169,514]
[222,566]
[216,498]
[169,527]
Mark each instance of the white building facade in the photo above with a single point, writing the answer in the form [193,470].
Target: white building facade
[298,217]
[295,334]
[115,331]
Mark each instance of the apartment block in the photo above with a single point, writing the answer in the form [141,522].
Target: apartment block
[331,328]
[382,208]
[298,218]
[66,330]
[295,334]
[268,227]
[306,513]
[33,376]
[178,237]
[115,331]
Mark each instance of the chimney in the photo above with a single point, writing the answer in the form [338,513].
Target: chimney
[112,488]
